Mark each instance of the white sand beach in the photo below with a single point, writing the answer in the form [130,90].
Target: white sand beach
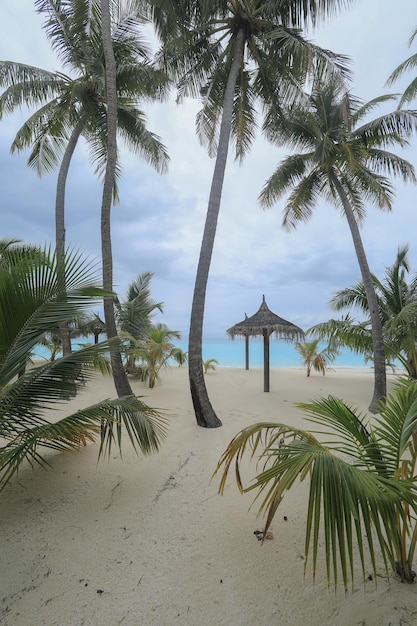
[144,541]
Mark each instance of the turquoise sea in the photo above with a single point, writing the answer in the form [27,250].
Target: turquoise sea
[282,354]
[230,353]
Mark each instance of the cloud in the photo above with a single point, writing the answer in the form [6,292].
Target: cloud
[159,223]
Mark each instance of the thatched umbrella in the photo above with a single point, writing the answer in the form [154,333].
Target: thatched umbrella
[265,323]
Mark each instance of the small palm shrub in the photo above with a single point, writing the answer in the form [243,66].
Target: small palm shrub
[362,476]
[210,364]
[314,358]
[34,299]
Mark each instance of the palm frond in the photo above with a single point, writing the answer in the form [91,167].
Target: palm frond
[288,174]
[396,425]
[145,426]
[106,420]
[353,500]
[35,298]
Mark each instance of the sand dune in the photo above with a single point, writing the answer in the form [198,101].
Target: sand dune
[147,540]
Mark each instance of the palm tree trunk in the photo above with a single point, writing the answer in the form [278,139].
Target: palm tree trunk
[411,353]
[119,375]
[60,189]
[380,376]
[60,222]
[203,409]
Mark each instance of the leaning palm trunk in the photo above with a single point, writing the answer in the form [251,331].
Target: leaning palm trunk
[203,409]
[60,188]
[380,378]
[60,221]
[119,375]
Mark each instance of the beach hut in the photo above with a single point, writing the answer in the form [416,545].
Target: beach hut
[265,323]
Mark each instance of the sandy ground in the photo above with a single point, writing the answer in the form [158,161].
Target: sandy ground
[147,540]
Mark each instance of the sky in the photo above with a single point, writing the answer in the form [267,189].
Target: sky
[159,222]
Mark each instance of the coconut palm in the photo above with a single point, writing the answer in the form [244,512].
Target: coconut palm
[33,298]
[348,332]
[52,342]
[74,104]
[111,81]
[119,375]
[233,53]
[156,351]
[89,324]
[121,382]
[134,314]
[409,64]
[11,251]
[209,364]
[180,357]
[398,306]
[313,357]
[397,302]
[361,474]
[14,251]
[345,164]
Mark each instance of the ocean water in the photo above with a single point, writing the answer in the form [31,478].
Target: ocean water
[281,354]
[230,353]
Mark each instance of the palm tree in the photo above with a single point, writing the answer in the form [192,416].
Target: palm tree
[397,303]
[180,357]
[121,382]
[74,104]
[361,480]
[233,53]
[11,251]
[134,314]
[156,351]
[209,364]
[409,64]
[52,342]
[343,162]
[33,298]
[347,332]
[90,324]
[315,358]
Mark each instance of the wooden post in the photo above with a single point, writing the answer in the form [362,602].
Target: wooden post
[266,359]
[247,352]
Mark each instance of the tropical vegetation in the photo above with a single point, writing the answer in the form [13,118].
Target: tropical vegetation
[157,351]
[410,91]
[89,324]
[153,352]
[209,364]
[362,498]
[397,306]
[233,54]
[316,358]
[134,315]
[34,298]
[345,163]
[180,357]
[52,342]
[75,104]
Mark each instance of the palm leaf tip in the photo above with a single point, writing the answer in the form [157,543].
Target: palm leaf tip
[146,427]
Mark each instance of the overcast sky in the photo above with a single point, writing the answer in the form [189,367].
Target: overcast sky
[158,224]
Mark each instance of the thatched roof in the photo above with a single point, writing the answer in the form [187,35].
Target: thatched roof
[263,320]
